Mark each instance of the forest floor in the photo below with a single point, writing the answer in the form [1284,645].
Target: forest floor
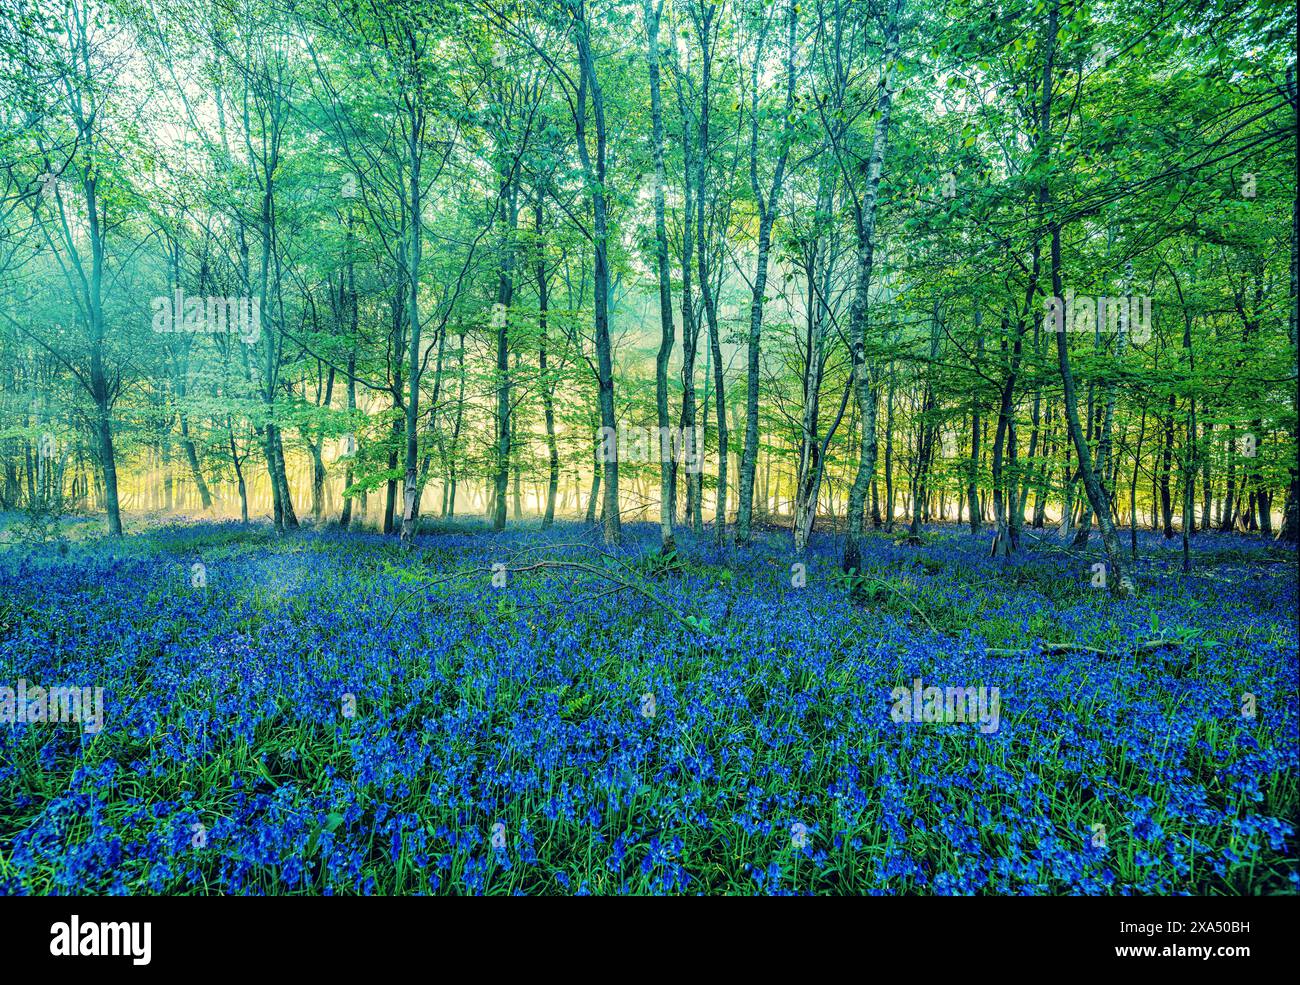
[528,712]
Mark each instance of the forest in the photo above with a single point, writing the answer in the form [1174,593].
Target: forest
[550,446]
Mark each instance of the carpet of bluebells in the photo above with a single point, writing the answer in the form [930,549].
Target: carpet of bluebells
[329,714]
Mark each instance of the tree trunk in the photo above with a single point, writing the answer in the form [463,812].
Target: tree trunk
[589,89]
[865,216]
[766,218]
[667,490]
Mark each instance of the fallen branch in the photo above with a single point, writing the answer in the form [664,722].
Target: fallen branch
[423,582]
[1060,649]
[609,576]
[916,609]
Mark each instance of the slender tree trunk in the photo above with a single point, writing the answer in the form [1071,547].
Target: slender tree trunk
[547,384]
[595,484]
[972,487]
[667,490]
[411,487]
[767,207]
[1119,582]
[1290,532]
[501,317]
[865,217]
[1166,470]
[589,91]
